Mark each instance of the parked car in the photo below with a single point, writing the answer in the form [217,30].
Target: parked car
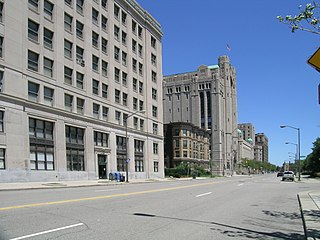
[279,174]
[288,175]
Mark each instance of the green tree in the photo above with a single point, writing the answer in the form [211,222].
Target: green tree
[307,20]
[312,162]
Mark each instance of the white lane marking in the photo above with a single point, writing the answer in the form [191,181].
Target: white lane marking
[49,231]
[240,184]
[201,195]
[106,190]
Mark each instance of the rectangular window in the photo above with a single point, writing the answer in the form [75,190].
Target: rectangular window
[95,63]
[154,111]
[134,27]
[116,53]
[1,80]
[155,148]
[140,69]
[135,84]
[80,106]
[95,16]
[124,99]
[1,47]
[156,166]
[68,49]
[135,122]
[140,87]
[125,119]
[153,59]
[104,68]
[75,148]
[116,11]
[1,11]
[140,50]
[79,29]
[68,75]
[117,74]
[48,9]
[140,32]
[141,107]
[104,3]
[116,31]
[134,45]
[134,65]
[48,67]
[135,104]
[118,117]
[95,87]
[2,158]
[123,18]
[141,124]
[79,54]
[68,2]
[95,39]
[48,96]
[155,128]
[33,91]
[104,45]
[117,96]
[104,23]
[47,38]
[80,79]
[33,30]
[101,139]
[124,58]
[105,112]
[80,6]
[154,76]
[68,102]
[67,22]
[33,4]
[124,38]
[1,121]
[153,42]
[96,110]
[104,90]
[124,78]
[154,94]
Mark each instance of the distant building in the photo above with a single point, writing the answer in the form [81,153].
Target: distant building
[207,98]
[248,132]
[187,143]
[258,153]
[262,141]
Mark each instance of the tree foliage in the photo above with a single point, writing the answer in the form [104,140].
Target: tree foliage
[312,162]
[258,165]
[307,20]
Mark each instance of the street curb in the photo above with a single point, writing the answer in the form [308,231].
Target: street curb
[302,217]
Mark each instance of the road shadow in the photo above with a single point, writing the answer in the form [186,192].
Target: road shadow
[233,231]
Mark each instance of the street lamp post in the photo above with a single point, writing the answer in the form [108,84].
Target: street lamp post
[298,148]
[127,159]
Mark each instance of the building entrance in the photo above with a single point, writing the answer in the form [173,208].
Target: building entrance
[102,163]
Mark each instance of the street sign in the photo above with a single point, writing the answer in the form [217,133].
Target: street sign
[314,60]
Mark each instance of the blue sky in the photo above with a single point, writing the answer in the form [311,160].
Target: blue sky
[275,84]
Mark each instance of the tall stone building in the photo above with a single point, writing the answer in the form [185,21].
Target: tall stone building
[207,98]
[248,132]
[73,75]
[262,144]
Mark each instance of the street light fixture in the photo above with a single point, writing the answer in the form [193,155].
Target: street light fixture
[298,148]
[127,159]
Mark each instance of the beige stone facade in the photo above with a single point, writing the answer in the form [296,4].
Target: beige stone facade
[73,73]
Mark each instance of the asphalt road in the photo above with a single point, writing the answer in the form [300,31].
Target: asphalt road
[241,207]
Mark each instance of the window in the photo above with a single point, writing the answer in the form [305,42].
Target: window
[118,117]
[124,99]
[155,148]
[123,18]
[1,79]
[116,53]
[47,38]
[125,119]
[95,39]
[104,45]
[48,67]
[134,27]
[1,121]
[155,128]
[48,9]
[124,78]
[135,122]
[95,16]
[33,30]
[96,110]
[185,144]
[104,3]
[41,144]
[134,84]
[80,106]
[79,54]
[135,104]
[2,158]
[1,11]
[67,22]
[124,58]
[101,139]
[134,45]
[104,23]
[140,87]
[141,105]
[154,94]
[154,76]
[140,69]
[140,50]
[141,124]
[116,11]
[117,74]
[156,166]
[75,148]
[117,96]
[153,59]
[124,38]
[95,63]
[134,65]
[105,112]
[153,42]
[154,111]
[80,78]
[104,90]
[68,2]
[95,87]
[33,91]
[33,61]
[80,6]
[68,102]
[104,68]
[116,31]
[79,29]
[67,49]
[48,96]
[68,75]
[140,32]
[33,4]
